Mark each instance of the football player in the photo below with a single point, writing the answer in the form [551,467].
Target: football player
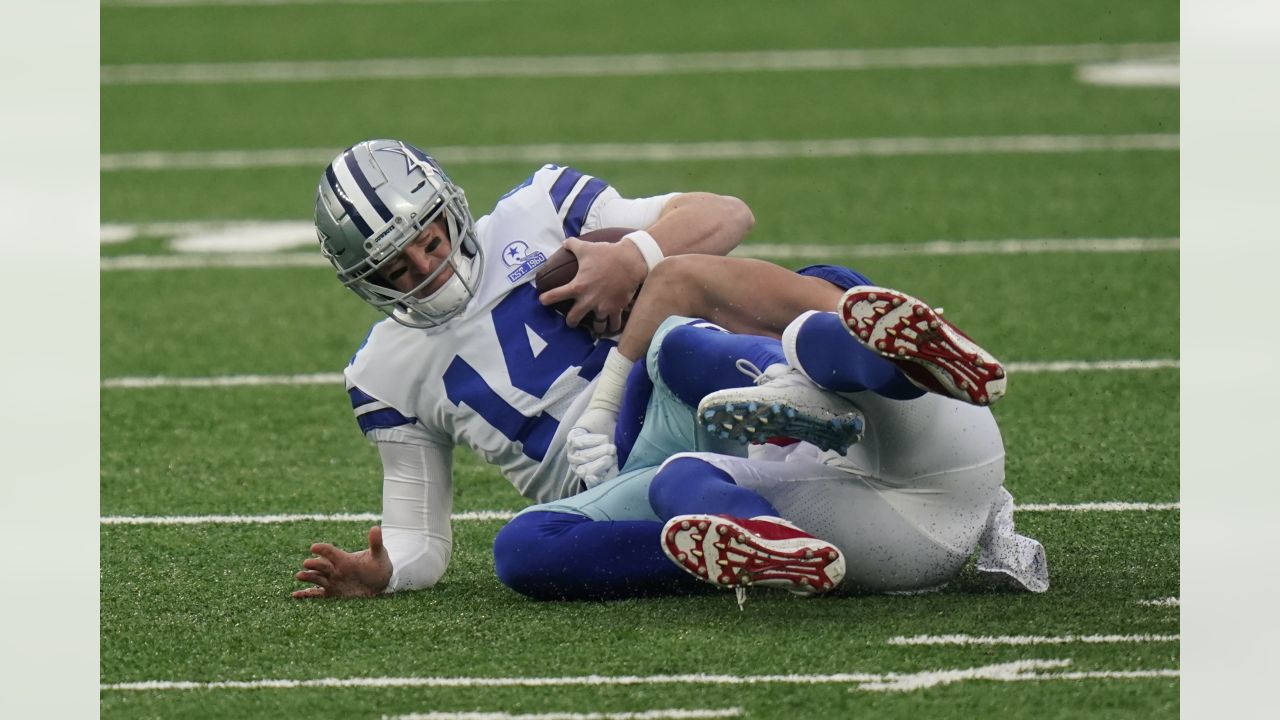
[896,489]
[469,355]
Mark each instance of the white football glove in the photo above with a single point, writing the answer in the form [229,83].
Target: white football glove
[592,455]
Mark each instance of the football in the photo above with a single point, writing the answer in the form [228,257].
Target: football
[563,265]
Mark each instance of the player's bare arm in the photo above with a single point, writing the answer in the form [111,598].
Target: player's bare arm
[609,274]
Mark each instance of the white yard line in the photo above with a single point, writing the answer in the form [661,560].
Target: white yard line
[254,244]
[226,381]
[1100,507]
[1030,639]
[669,714]
[489,515]
[662,152]
[479,515]
[268,3]
[547,66]
[1021,670]
[1162,602]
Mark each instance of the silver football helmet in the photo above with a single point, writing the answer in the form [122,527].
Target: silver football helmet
[373,200]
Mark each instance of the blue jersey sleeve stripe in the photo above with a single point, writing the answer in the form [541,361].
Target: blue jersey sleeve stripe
[360,398]
[386,418]
[582,205]
[347,205]
[363,183]
[563,186]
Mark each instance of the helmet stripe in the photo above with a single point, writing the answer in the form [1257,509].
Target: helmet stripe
[347,205]
[366,189]
[359,201]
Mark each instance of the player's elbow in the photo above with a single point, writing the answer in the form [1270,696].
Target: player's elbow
[738,214]
[419,562]
[734,220]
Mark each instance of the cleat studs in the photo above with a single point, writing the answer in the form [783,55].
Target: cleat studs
[725,580]
[726,425]
[999,372]
[808,554]
[918,311]
[702,526]
[684,524]
[696,553]
[864,334]
[902,352]
[722,529]
[724,434]
[711,428]
[872,297]
[897,301]
[880,345]
[752,407]
[933,324]
[791,412]
[764,420]
[728,407]
[682,557]
[709,414]
[750,428]
[830,555]
[702,571]
[722,562]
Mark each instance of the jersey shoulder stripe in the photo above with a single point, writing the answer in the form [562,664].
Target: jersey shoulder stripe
[577,214]
[372,413]
[563,186]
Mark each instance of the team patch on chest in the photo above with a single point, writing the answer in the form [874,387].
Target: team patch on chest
[518,256]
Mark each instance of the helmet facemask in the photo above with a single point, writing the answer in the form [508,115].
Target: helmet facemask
[414,192]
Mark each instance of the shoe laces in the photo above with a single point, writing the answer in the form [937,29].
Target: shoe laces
[758,376]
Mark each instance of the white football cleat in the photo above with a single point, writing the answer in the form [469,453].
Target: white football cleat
[931,352]
[782,404]
[731,552]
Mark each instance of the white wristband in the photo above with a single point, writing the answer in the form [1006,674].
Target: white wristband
[647,246]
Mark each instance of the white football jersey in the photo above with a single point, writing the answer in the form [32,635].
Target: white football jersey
[506,377]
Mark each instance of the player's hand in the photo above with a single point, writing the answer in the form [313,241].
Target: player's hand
[609,274]
[338,573]
[592,456]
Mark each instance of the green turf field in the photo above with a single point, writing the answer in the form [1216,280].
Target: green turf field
[196,618]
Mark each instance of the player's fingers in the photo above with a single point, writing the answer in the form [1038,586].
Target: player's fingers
[581,440]
[615,323]
[311,592]
[314,578]
[325,550]
[318,564]
[586,455]
[596,468]
[555,295]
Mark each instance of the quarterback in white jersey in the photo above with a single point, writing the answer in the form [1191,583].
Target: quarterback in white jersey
[470,355]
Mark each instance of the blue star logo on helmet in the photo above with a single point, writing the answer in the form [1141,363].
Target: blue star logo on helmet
[415,159]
